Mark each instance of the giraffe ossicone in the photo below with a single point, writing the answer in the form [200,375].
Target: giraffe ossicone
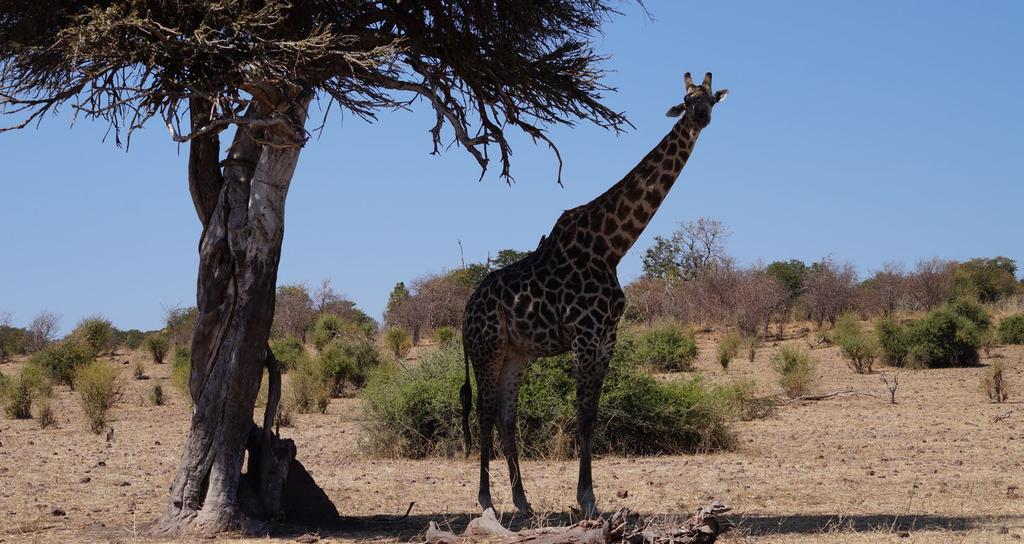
[565,296]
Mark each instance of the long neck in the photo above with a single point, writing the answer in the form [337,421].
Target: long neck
[618,216]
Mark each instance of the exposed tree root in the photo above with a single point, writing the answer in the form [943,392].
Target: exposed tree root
[623,527]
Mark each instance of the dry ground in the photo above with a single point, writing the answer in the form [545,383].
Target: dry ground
[935,467]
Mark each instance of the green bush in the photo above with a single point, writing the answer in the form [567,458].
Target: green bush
[795,369]
[1011,329]
[847,325]
[860,351]
[131,339]
[445,335]
[139,371]
[17,396]
[13,341]
[59,360]
[287,351]
[310,390]
[972,311]
[398,341]
[665,347]
[97,334]
[740,397]
[893,342]
[99,387]
[728,348]
[181,367]
[856,346]
[943,337]
[45,416]
[416,412]
[330,328]
[347,364]
[157,344]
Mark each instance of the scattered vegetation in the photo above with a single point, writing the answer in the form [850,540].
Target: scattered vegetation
[99,387]
[45,416]
[331,328]
[60,360]
[139,371]
[97,334]
[740,397]
[398,341]
[994,384]
[347,364]
[856,346]
[181,367]
[795,368]
[665,347]
[416,412]
[893,343]
[287,350]
[445,336]
[1011,329]
[728,348]
[310,390]
[157,344]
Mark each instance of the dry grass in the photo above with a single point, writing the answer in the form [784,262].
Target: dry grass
[933,468]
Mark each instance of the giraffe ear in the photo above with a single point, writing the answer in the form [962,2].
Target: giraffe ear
[676,111]
[720,95]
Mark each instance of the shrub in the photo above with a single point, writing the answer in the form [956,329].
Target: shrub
[860,351]
[728,348]
[181,367]
[445,335]
[96,333]
[99,387]
[46,417]
[855,345]
[795,368]
[666,347]
[287,351]
[59,361]
[131,339]
[157,344]
[742,402]
[17,399]
[156,396]
[329,328]
[398,341]
[416,413]
[310,390]
[13,340]
[994,383]
[893,343]
[751,343]
[943,337]
[347,365]
[139,371]
[972,311]
[1011,329]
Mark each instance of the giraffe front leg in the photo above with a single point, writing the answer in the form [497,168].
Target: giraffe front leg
[591,366]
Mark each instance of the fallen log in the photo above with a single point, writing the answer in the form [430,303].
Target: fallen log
[623,527]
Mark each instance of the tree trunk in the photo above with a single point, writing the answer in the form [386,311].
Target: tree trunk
[242,211]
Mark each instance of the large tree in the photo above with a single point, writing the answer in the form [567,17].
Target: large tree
[200,67]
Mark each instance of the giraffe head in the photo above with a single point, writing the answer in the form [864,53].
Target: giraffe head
[699,101]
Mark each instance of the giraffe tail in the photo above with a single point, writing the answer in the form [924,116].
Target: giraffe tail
[466,395]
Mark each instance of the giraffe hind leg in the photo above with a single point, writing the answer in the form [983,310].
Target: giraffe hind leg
[512,371]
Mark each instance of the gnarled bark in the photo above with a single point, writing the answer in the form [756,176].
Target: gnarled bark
[241,205]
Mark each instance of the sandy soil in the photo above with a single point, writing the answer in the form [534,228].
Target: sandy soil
[935,467]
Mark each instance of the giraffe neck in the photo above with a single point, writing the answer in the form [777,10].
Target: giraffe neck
[615,220]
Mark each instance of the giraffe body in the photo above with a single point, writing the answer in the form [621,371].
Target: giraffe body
[565,296]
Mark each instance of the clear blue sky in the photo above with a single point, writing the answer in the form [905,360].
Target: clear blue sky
[869,131]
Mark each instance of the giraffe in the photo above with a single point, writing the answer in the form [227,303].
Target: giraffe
[564,296]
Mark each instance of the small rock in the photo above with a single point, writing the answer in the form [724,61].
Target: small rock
[59,512]
[124,484]
[1003,530]
[307,539]
[85,480]
[622,493]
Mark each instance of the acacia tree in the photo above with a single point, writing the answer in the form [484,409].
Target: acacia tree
[200,67]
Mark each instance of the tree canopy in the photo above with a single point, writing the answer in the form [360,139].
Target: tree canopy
[482,66]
